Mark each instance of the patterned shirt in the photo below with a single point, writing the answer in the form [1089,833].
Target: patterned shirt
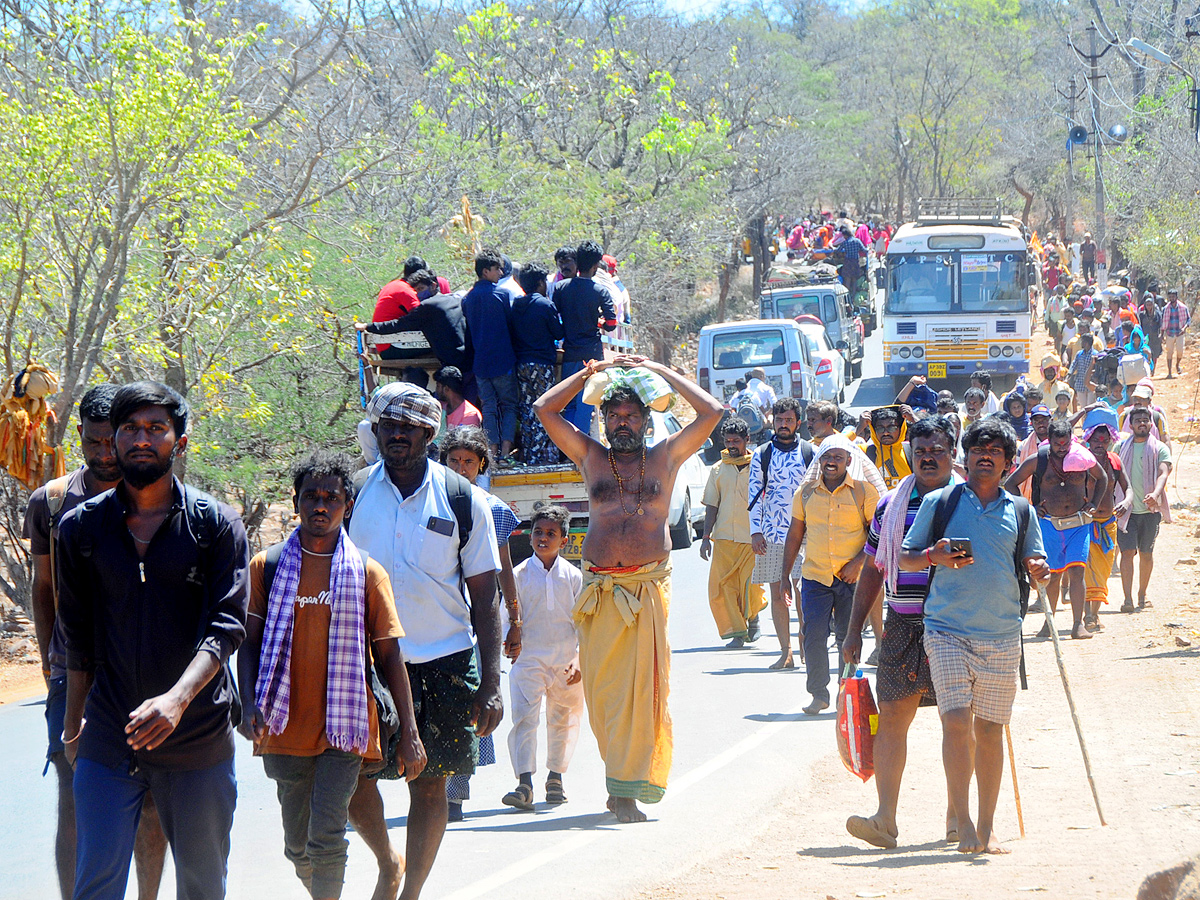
[1079,370]
[772,513]
[911,587]
[1175,319]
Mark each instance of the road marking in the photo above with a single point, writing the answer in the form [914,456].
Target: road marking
[485,886]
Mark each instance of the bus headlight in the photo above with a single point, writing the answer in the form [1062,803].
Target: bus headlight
[918,352]
[1008,352]
[905,353]
[994,352]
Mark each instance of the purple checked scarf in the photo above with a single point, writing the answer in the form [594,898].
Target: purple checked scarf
[347,725]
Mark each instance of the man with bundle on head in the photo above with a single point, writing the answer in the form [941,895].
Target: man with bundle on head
[433,534]
[1100,433]
[733,596]
[621,614]
[903,680]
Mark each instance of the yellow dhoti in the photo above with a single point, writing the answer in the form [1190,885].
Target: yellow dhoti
[1100,559]
[621,616]
[733,599]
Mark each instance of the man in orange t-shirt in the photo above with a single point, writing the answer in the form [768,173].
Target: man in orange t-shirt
[315,724]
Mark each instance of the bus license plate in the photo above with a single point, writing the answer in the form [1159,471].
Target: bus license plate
[574,548]
[937,370]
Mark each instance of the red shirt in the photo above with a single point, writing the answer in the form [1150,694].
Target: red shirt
[396,298]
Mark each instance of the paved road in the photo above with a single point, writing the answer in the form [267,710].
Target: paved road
[741,743]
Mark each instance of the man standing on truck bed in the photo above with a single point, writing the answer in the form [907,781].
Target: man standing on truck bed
[622,613]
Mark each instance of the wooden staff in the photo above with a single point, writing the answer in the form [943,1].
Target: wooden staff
[1062,671]
[1012,764]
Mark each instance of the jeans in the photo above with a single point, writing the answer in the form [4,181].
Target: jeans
[577,412]
[817,601]
[499,399]
[195,808]
[314,796]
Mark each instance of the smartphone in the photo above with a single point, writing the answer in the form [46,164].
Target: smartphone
[961,545]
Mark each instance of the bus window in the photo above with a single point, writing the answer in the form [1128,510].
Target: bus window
[993,282]
[920,283]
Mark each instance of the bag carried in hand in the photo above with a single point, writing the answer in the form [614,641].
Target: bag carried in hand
[857,722]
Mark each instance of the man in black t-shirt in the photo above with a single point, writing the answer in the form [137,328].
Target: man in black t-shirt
[583,303]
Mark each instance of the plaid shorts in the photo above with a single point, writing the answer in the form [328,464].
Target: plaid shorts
[975,674]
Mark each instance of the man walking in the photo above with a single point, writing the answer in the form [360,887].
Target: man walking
[1147,464]
[153,675]
[621,614]
[902,680]
[432,533]
[834,509]
[1068,485]
[48,506]
[775,472]
[1175,319]
[973,637]
[733,596]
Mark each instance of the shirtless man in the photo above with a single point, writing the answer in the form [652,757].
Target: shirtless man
[621,615]
[1066,508]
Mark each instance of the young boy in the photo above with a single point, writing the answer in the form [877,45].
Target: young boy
[1116,396]
[1062,403]
[547,662]
[1079,376]
[315,722]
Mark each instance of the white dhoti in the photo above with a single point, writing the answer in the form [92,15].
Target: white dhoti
[531,679]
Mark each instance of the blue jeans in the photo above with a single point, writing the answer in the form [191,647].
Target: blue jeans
[195,808]
[499,399]
[577,412]
[817,601]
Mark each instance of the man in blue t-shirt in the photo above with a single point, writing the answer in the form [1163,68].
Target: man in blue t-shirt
[486,309]
[583,303]
[973,637]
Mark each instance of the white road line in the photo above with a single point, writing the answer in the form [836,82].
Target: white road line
[485,886]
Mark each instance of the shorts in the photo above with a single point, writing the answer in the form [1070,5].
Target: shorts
[903,663]
[975,674]
[768,569]
[1141,533]
[1173,344]
[443,691]
[1065,548]
[56,712]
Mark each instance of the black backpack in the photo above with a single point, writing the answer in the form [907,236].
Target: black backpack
[806,454]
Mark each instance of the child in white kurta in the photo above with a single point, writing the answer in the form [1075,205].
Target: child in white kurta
[548,664]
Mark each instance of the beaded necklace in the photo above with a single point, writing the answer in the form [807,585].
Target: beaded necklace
[612,462]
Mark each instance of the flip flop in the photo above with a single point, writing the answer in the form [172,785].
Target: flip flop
[866,830]
[520,797]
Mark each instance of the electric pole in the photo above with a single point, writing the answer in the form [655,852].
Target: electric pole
[1094,81]
[1071,95]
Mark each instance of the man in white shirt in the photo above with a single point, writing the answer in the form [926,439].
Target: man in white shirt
[410,515]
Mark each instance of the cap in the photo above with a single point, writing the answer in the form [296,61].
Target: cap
[1142,392]
[1040,410]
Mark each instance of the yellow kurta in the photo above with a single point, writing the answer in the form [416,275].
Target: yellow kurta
[734,600]
[621,617]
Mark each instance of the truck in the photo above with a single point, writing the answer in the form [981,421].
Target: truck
[787,296]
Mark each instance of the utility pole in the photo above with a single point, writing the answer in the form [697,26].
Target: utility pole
[1097,131]
[1072,94]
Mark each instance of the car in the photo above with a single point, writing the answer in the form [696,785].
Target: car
[830,303]
[829,365]
[729,350]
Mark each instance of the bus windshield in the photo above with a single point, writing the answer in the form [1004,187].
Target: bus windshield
[993,282]
[920,283]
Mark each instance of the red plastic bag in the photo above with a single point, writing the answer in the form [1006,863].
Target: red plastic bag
[857,722]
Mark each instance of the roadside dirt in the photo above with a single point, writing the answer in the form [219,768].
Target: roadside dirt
[1135,691]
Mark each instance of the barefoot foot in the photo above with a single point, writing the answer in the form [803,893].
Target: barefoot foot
[1079,632]
[992,846]
[625,809]
[785,661]
[968,840]
[390,875]
[951,830]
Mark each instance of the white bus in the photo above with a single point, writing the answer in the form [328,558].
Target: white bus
[957,294]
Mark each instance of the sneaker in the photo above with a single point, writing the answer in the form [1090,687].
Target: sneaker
[873,659]
[753,630]
[455,813]
[736,644]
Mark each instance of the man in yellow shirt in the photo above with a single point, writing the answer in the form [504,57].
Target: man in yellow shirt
[834,510]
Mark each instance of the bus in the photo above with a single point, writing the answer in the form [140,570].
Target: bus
[956,294]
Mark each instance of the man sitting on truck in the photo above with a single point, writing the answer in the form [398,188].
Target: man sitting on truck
[438,316]
[396,300]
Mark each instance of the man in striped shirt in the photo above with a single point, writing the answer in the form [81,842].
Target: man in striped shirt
[902,679]
[1175,319]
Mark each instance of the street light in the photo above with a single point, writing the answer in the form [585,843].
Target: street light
[1163,57]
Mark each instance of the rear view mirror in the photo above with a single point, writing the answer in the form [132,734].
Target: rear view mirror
[841,345]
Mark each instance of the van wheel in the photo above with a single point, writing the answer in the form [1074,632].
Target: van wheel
[681,531]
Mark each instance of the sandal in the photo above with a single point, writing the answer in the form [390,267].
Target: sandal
[1127,606]
[554,791]
[520,797]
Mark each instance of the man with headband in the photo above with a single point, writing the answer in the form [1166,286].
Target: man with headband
[1100,433]
[622,613]
[432,532]
[834,508]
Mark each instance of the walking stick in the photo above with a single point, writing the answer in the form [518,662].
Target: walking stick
[1062,671]
[1012,764]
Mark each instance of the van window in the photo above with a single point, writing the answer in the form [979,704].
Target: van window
[831,312]
[747,349]
[790,307]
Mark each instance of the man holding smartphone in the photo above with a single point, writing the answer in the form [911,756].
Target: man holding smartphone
[973,636]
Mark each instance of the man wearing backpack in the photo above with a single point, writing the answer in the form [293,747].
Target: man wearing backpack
[48,506]
[976,534]
[432,533]
[152,600]
[775,472]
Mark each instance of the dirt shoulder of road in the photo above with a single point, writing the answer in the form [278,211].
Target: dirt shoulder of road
[1135,688]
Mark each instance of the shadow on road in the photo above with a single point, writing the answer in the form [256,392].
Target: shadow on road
[540,821]
[900,858]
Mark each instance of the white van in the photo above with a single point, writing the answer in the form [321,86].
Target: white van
[729,350]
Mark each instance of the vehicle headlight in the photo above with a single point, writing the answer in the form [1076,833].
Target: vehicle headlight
[918,352]
[994,352]
[905,353]
[1008,352]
